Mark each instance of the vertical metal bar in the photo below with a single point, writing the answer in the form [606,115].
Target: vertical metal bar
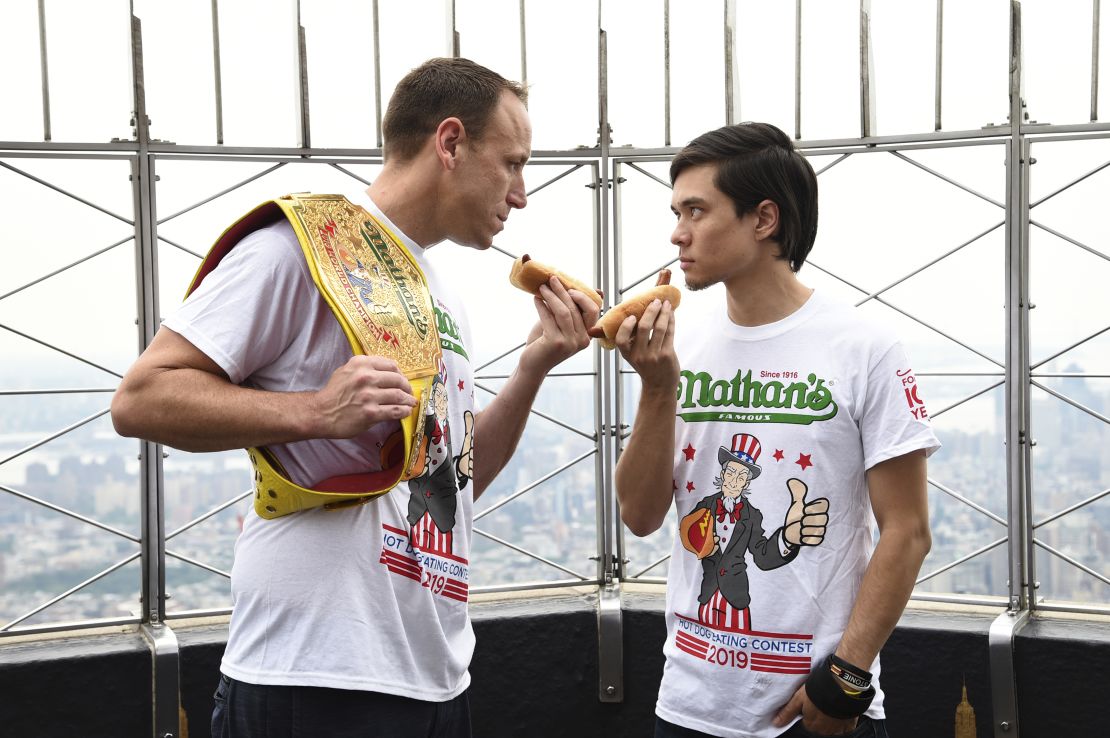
[163,644]
[1000,648]
[523,47]
[164,683]
[1095,22]
[939,65]
[609,623]
[609,570]
[603,381]
[615,383]
[731,81]
[44,72]
[610,643]
[798,69]
[452,32]
[1017,368]
[302,84]
[377,75]
[666,72]
[217,70]
[1018,518]
[866,72]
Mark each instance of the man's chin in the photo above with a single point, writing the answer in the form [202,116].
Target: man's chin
[695,285]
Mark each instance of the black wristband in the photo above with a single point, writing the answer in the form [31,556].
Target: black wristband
[826,694]
[849,673]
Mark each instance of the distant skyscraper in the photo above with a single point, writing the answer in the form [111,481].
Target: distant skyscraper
[965,718]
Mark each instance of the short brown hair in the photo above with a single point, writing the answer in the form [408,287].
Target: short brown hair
[438,89]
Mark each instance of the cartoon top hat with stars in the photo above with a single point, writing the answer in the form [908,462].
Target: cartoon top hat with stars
[745,449]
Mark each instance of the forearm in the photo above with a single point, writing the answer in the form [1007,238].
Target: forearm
[883,594]
[646,464]
[498,428]
[194,410]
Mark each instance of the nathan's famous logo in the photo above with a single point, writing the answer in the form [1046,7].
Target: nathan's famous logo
[449,337]
[414,305]
[747,400]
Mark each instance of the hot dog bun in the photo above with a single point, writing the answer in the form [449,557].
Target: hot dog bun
[528,274]
[605,329]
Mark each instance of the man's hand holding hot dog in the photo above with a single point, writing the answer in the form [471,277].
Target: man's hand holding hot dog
[647,341]
[561,332]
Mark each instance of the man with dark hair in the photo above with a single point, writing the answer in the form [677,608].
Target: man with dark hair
[319,335]
[813,397]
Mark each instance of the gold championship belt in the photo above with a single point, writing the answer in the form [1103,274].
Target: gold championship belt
[381,299]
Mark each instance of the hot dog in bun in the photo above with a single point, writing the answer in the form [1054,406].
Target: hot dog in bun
[528,274]
[605,329]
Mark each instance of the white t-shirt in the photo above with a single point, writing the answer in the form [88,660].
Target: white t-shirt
[820,396]
[372,597]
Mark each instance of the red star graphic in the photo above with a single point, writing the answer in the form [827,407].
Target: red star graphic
[689,451]
[803,461]
[778,454]
[689,486]
[461,385]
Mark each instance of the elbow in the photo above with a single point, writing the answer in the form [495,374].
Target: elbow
[917,541]
[638,523]
[925,541]
[123,414]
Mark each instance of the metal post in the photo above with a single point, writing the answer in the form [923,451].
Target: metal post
[732,81]
[666,72]
[607,573]
[377,75]
[1000,646]
[302,85]
[866,72]
[45,72]
[603,382]
[1095,22]
[1019,545]
[453,44]
[798,69]
[939,64]
[614,386]
[1017,337]
[217,69]
[163,644]
[523,47]
[609,625]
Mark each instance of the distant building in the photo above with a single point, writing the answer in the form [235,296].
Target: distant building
[965,718]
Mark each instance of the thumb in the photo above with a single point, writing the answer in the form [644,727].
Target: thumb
[788,711]
[798,491]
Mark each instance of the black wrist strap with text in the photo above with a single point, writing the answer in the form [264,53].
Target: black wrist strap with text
[849,673]
[826,694]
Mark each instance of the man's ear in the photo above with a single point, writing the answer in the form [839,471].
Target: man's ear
[450,133]
[767,223]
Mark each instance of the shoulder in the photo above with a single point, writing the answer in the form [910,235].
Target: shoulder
[860,332]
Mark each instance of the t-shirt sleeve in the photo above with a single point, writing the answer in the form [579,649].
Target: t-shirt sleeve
[895,420]
[241,315]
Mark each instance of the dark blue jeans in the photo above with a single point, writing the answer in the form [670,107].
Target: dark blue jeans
[258,711]
[865,728]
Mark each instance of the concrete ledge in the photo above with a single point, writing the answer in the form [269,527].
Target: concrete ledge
[535,672]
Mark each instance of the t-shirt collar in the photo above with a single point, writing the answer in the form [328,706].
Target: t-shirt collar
[372,207]
[770,330]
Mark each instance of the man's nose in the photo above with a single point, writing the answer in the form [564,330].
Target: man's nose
[518,196]
[679,236]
